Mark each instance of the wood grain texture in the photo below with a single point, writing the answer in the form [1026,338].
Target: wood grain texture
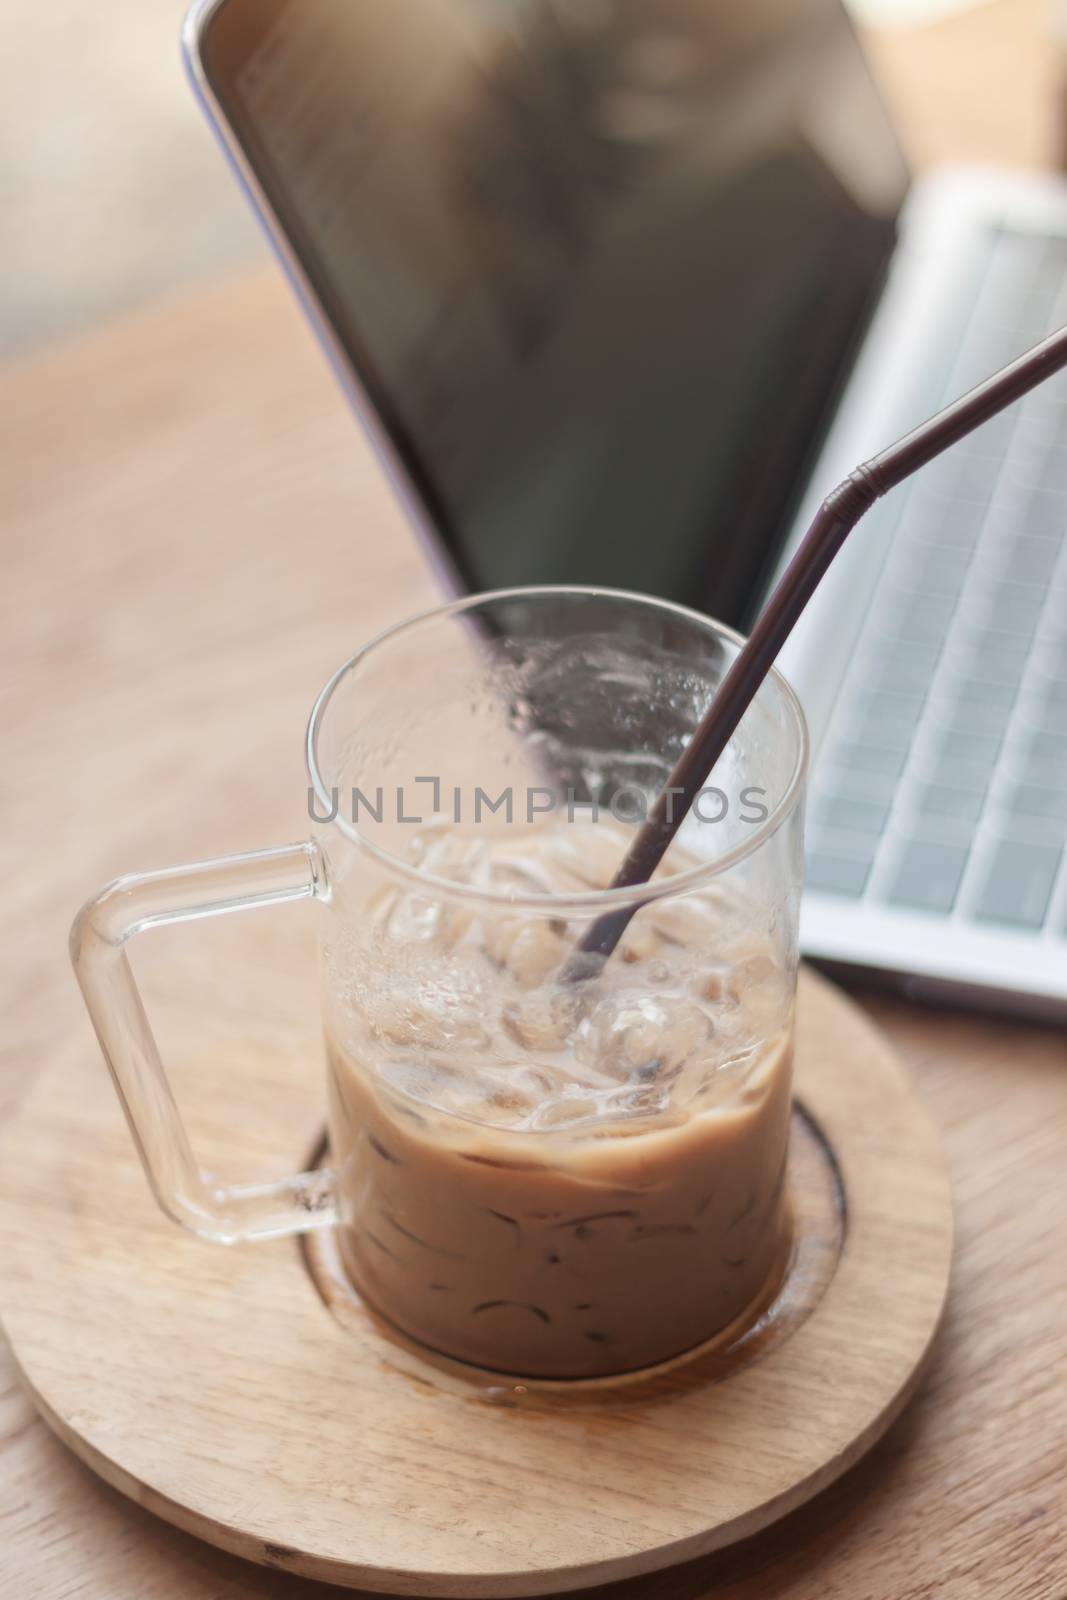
[213,1386]
[193,537]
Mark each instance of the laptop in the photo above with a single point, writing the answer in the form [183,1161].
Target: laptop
[620,291]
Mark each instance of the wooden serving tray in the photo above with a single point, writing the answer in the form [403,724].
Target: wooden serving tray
[245,1395]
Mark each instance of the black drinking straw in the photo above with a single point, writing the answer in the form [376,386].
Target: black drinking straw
[831,525]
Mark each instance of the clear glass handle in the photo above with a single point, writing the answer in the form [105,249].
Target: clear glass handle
[98,940]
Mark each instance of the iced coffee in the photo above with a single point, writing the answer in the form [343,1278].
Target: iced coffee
[547,1177]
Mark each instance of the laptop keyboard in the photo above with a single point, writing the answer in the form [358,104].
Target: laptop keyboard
[942,783]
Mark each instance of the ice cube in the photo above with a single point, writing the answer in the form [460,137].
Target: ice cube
[543,1019]
[425,1015]
[406,918]
[529,949]
[642,1037]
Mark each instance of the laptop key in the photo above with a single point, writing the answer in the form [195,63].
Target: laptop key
[945,800]
[976,753]
[836,874]
[977,707]
[961,475]
[927,874]
[1054,471]
[988,654]
[931,569]
[935,827]
[949,772]
[1045,515]
[882,719]
[1047,712]
[1040,771]
[898,670]
[1017,885]
[1042,761]
[1050,691]
[876,761]
[906,619]
[1053,628]
[848,784]
[1030,830]
[1050,654]
[1022,557]
[988,667]
[851,815]
[945,522]
[1024,800]
[1008,607]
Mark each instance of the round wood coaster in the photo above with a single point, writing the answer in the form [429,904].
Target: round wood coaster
[245,1395]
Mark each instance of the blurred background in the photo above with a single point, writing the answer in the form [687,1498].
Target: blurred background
[112,188]
[113,192]
[192,538]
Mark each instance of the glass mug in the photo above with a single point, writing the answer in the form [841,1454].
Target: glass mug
[541,1175]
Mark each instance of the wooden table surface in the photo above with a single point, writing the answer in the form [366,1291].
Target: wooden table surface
[193,537]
